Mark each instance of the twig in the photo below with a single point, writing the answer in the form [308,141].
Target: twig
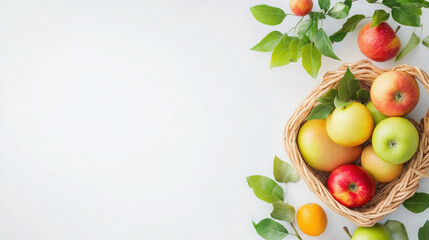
[296,232]
[347,231]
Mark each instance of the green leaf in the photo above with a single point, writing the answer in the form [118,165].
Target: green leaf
[324,44]
[338,36]
[265,188]
[352,22]
[348,86]
[283,211]
[339,103]
[317,15]
[340,10]
[362,95]
[397,230]
[270,229]
[281,53]
[407,14]
[412,43]
[295,47]
[328,98]
[348,3]
[324,4]
[417,203]
[398,3]
[311,59]
[313,29]
[424,231]
[284,172]
[426,41]
[371,1]
[268,43]
[268,15]
[391,3]
[379,16]
[348,26]
[320,111]
[303,28]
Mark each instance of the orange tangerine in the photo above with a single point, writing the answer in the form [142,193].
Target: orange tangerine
[311,219]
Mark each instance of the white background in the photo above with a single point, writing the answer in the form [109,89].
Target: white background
[141,119]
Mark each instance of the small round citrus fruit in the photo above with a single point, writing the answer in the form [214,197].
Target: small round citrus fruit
[311,219]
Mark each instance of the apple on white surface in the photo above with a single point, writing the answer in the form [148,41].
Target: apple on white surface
[379,43]
[376,232]
[395,140]
[301,7]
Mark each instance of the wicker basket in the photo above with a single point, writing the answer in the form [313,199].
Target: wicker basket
[388,196]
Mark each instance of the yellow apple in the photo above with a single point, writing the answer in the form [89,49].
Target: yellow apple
[381,171]
[351,125]
[319,151]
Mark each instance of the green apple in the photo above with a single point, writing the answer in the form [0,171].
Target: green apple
[377,115]
[376,232]
[395,140]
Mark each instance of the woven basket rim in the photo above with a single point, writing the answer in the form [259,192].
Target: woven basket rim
[394,193]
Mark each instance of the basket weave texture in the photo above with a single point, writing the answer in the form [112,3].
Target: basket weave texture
[388,196]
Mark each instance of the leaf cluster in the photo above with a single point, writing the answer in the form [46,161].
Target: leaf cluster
[348,90]
[270,191]
[309,41]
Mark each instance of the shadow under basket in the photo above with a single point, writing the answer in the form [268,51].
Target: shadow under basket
[388,196]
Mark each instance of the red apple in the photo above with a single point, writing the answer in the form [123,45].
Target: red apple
[301,7]
[395,93]
[379,43]
[351,186]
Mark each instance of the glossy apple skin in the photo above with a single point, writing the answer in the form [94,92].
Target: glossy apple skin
[382,171]
[351,185]
[350,126]
[301,7]
[395,140]
[395,93]
[376,115]
[379,43]
[319,151]
[376,232]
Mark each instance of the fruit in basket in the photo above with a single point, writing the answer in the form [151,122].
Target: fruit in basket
[311,219]
[395,140]
[319,151]
[351,125]
[382,171]
[376,115]
[376,232]
[351,185]
[379,43]
[395,93]
[301,7]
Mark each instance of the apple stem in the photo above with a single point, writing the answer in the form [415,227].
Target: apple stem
[347,231]
[397,29]
[296,232]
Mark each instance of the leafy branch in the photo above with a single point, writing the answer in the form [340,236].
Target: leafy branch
[270,191]
[309,41]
